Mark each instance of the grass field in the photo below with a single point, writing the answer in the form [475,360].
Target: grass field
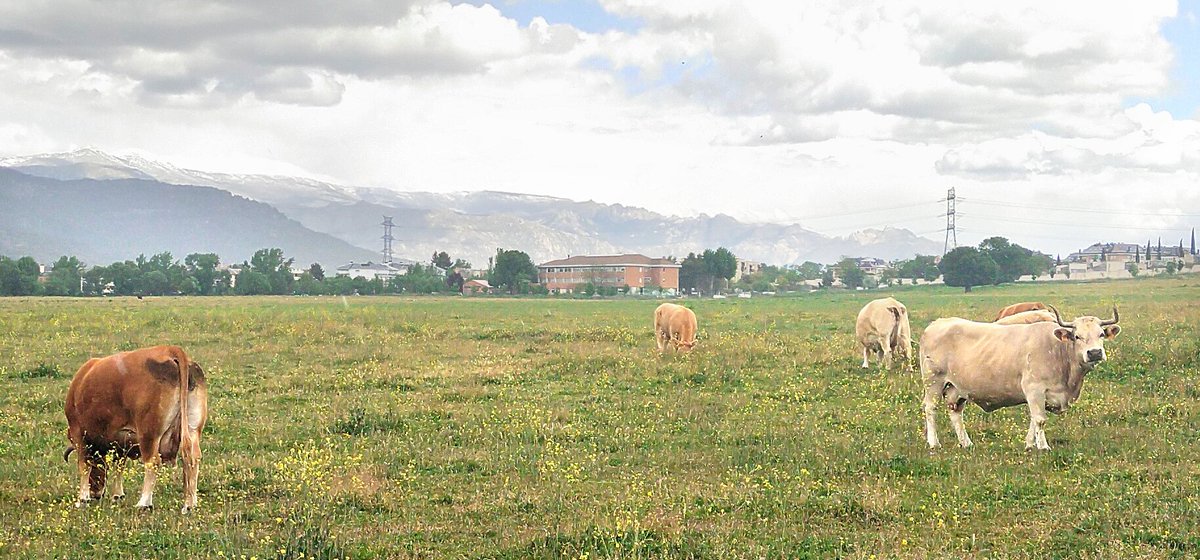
[493,428]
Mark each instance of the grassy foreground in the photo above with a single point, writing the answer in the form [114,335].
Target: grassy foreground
[476,428]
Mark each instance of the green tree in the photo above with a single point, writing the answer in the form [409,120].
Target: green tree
[308,285]
[919,267]
[202,267]
[278,270]
[10,277]
[691,273]
[512,270]
[441,260]
[809,270]
[827,277]
[29,273]
[253,283]
[719,264]
[455,281]
[316,272]
[967,267]
[66,277]
[155,283]
[852,275]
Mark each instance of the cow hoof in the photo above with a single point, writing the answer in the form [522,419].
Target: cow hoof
[186,510]
[146,509]
[117,497]
[82,503]
[966,445]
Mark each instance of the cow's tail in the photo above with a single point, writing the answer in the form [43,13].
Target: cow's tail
[185,430]
[67,452]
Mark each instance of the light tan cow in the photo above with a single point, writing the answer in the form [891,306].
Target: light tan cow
[882,327]
[1019,308]
[674,325]
[995,366]
[129,405]
[1027,317]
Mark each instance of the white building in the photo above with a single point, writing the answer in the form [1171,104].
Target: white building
[372,270]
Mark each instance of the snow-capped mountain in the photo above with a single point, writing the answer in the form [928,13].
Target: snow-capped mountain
[472,225]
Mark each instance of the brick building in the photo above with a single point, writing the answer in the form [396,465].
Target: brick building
[640,273]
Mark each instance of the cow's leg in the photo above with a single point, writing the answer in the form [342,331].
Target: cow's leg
[1037,421]
[85,477]
[148,445]
[885,352]
[659,339]
[97,476]
[956,420]
[933,396]
[117,481]
[864,364]
[83,461]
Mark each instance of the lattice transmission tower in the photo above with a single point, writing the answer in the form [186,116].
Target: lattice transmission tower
[387,238]
[951,228]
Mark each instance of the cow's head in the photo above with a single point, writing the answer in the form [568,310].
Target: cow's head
[1087,334]
[685,346]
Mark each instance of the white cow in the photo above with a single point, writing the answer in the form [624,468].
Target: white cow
[882,326]
[995,366]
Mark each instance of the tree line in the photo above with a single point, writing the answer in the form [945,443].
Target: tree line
[269,271]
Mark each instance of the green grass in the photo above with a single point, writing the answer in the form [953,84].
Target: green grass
[497,428]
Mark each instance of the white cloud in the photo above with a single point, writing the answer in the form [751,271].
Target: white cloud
[763,110]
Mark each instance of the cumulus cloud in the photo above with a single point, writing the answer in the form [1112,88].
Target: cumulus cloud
[195,52]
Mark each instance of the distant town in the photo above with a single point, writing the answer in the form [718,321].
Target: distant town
[714,272]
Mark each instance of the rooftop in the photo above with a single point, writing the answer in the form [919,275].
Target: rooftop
[633,259]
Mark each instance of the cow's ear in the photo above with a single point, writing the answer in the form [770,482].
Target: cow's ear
[1065,335]
[1112,331]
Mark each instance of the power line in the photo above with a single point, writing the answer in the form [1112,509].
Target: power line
[1081,210]
[856,212]
[1089,226]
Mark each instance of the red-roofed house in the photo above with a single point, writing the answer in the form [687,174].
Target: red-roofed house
[641,273]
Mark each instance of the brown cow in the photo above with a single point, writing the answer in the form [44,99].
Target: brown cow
[1027,317]
[1020,307]
[129,405]
[674,324]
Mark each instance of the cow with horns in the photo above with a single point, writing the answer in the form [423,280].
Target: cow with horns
[1041,364]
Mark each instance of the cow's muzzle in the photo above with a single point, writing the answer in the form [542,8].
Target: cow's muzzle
[1095,355]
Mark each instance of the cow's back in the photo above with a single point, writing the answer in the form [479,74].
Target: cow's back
[875,321]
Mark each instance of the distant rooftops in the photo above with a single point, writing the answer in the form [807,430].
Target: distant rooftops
[630,259]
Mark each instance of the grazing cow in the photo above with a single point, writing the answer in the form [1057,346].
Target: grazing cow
[1020,307]
[129,405]
[995,366]
[882,326]
[674,325]
[1027,317]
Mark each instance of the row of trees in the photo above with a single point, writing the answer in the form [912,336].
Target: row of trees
[269,271]
[995,261]
[707,271]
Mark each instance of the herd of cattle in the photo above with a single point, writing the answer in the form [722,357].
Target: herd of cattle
[129,405]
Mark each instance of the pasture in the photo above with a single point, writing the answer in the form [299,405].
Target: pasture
[394,427]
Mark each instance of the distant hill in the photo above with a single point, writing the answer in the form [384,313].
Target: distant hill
[102,221]
[472,225]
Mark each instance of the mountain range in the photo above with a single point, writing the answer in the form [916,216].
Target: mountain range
[101,206]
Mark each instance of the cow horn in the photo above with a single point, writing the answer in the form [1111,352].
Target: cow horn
[1113,321]
[1059,319]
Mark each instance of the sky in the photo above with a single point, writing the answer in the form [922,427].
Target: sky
[1058,124]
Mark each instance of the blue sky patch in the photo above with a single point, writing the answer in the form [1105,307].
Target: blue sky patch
[1182,98]
[585,15]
